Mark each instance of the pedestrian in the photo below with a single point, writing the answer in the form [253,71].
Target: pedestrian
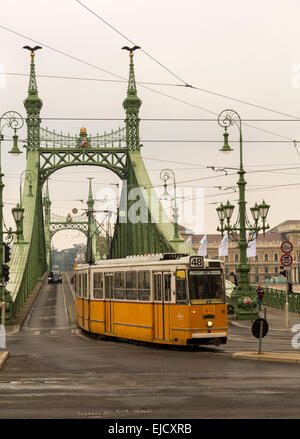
[260,295]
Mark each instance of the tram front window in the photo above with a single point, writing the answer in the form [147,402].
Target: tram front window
[205,286]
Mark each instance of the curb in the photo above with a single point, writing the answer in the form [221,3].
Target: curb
[3,358]
[276,357]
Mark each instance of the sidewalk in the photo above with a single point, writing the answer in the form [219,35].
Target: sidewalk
[276,319]
[20,317]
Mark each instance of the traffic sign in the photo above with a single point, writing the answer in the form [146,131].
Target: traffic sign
[256,327]
[286,259]
[286,247]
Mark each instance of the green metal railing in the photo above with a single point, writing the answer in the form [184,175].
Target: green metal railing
[276,298]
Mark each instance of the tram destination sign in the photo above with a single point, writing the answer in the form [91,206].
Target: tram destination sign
[286,247]
[196,261]
[286,260]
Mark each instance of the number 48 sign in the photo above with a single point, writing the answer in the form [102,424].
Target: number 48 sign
[196,261]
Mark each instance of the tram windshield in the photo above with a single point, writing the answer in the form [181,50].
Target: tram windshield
[206,285]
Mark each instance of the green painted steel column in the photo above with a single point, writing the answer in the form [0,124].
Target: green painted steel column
[244,301]
[90,258]
[243,291]
[47,209]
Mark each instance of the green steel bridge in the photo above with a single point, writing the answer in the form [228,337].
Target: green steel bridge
[118,151]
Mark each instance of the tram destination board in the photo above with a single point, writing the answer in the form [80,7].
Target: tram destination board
[196,261]
[172,256]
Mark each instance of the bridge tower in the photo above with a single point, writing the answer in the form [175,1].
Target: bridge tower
[142,226]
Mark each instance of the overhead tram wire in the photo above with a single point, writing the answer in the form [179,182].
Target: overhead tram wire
[123,81]
[187,140]
[130,41]
[185,83]
[121,77]
[143,119]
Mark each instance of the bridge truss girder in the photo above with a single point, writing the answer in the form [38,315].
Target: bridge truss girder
[53,159]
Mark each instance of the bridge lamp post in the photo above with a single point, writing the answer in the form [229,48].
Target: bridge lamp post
[244,301]
[18,214]
[165,175]
[13,120]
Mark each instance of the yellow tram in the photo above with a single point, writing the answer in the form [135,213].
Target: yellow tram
[167,298]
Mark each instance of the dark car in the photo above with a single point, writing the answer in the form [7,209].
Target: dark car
[54,277]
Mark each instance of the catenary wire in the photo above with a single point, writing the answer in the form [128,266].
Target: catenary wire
[185,83]
[144,86]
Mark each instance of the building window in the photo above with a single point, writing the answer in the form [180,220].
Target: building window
[276,269]
[276,257]
[256,258]
[266,257]
[226,258]
[236,257]
[266,269]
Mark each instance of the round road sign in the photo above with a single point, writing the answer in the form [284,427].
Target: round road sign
[256,327]
[286,260]
[286,247]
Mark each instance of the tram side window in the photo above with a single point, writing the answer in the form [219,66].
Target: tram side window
[79,285]
[85,285]
[157,287]
[167,287]
[75,282]
[144,285]
[119,285]
[98,285]
[108,282]
[131,285]
[181,296]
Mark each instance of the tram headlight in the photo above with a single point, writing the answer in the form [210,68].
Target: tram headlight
[209,323]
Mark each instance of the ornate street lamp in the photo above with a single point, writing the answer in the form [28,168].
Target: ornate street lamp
[30,177]
[244,302]
[18,214]
[165,175]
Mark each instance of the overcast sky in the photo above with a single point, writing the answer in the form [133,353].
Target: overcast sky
[244,50]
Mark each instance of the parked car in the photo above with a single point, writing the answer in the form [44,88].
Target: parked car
[54,277]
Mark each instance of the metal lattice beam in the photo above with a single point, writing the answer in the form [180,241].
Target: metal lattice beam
[52,159]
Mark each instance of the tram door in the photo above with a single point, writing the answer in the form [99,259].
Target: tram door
[86,302]
[108,285]
[162,298]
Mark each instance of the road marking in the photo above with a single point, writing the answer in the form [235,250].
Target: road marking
[71,288]
[65,305]
[44,329]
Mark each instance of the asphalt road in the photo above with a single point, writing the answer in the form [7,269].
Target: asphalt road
[56,371]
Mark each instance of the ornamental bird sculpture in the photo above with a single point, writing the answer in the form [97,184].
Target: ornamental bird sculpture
[131,49]
[32,49]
